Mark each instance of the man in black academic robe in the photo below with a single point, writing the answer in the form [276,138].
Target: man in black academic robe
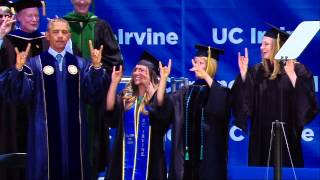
[27,32]
[57,85]
[8,120]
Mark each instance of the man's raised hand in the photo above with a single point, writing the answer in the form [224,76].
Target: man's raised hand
[6,26]
[165,70]
[96,55]
[21,57]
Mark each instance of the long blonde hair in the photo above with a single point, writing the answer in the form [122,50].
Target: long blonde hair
[276,44]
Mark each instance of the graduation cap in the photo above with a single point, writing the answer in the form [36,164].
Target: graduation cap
[5,3]
[204,51]
[276,33]
[150,61]
[24,4]
[209,52]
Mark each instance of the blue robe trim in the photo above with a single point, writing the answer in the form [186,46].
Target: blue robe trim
[53,117]
[129,135]
[74,120]
[137,133]
[22,34]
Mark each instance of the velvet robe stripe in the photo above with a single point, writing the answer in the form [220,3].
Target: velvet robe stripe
[53,118]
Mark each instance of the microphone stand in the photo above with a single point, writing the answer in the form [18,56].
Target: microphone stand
[276,128]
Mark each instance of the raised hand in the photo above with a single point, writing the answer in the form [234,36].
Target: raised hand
[243,63]
[164,73]
[146,78]
[165,70]
[6,26]
[200,73]
[289,68]
[116,75]
[21,57]
[96,55]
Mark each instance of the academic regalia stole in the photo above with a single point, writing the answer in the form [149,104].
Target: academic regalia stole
[51,102]
[20,39]
[195,101]
[136,144]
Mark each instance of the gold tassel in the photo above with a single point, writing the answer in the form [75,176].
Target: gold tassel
[12,10]
[186,156]
[43,8]
[209,68]
[278,42]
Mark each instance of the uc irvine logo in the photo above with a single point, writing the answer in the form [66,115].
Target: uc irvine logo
[148,37]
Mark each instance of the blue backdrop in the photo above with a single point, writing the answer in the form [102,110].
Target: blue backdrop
[170,28]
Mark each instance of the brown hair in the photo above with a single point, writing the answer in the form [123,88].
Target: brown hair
[131,92]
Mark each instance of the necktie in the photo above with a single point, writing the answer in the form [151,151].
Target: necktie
[59,59]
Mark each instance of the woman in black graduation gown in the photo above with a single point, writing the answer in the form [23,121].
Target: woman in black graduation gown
[257,94]
[201,115]
[138,151]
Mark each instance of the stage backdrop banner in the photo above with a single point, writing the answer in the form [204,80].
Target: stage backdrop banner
[171,28]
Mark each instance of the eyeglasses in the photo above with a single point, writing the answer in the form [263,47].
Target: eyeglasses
[4,15]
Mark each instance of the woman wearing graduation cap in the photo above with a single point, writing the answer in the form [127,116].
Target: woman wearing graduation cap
[200,124]
[138,149]
[273,90]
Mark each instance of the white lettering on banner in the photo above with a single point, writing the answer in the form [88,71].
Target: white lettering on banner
[233,135]
[236,134]
[256,36]
[225,35]
[221,36]
[147,38]
[307,135]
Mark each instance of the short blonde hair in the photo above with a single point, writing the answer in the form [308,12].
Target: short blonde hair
[6,9]
[212,70]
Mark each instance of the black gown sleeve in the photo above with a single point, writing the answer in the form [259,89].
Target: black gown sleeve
[306,101]
[17,86]
[7,55]
[160,116]
[242,99]
[111,55]
[114,117]
[94,82]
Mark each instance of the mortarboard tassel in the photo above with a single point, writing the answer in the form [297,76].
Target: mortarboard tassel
[278,42]
[209,68]
[43,8]
[186,156]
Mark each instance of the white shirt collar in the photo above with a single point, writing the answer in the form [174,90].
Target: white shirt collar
[54,53]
